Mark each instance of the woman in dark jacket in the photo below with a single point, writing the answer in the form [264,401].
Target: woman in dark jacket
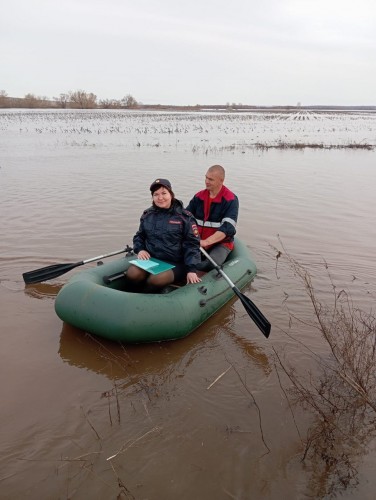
[167,232]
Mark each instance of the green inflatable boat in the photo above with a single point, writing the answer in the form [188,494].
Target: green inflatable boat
[106,310]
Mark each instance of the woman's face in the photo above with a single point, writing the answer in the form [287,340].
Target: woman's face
[162,197]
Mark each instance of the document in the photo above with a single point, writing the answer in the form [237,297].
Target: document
[152,265]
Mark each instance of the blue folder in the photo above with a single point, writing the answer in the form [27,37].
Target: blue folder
[152,265]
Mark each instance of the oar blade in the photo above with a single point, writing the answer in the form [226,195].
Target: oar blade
[254,313]
[48,273]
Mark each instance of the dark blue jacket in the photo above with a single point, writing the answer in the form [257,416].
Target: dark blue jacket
[170,235]
[217,214]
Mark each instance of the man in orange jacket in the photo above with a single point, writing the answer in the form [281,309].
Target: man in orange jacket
[216,211]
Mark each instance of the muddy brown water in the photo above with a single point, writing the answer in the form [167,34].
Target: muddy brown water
[85,418]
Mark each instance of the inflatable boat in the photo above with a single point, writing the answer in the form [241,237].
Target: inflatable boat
[101,306]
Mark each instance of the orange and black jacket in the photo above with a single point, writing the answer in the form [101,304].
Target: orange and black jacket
[217,214]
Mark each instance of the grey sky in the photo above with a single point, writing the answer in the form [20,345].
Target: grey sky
[197,52]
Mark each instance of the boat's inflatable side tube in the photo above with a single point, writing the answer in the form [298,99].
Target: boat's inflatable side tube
[86,303]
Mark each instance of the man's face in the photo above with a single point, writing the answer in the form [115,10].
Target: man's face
[213,181]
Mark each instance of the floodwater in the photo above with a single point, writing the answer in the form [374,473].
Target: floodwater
[84,418]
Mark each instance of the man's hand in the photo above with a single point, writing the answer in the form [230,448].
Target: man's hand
[213,239]
[204,244]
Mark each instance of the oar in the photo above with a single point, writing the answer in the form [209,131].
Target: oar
[50,272]
[253,312]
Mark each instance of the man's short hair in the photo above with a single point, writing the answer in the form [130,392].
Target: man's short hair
[219,169]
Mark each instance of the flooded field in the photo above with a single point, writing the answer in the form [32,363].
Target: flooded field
[83,418]
[195,132]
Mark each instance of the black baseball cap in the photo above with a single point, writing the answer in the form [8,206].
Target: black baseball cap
[160,182]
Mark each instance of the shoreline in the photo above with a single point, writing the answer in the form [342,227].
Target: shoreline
[23,103]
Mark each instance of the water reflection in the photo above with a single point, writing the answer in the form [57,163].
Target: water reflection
[252,351]
[132,362]
[129,362]
[43,290]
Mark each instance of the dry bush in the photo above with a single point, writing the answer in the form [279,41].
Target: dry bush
[340,392]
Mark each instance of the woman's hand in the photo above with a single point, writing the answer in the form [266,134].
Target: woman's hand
[143,255]
[193,278]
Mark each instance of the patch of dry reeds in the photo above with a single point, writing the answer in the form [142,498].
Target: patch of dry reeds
[341,391]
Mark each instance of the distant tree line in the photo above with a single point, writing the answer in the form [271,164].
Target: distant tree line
[78,99]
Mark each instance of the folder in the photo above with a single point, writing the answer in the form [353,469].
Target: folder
[152,265]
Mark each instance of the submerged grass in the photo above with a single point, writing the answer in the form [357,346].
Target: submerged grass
[226,131]
[286,145]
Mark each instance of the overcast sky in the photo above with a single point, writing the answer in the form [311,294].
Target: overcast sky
[193,51]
